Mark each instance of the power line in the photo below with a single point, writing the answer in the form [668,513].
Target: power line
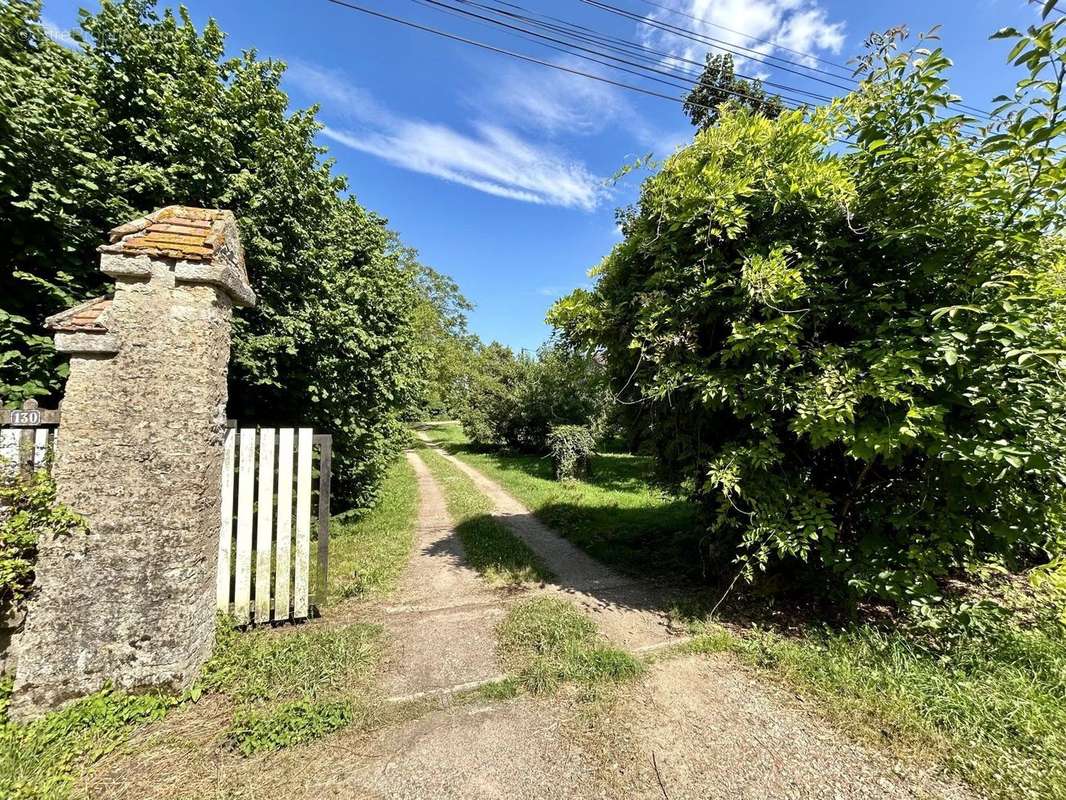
[520,56]
[631,49]
[720,44]
[599,40]
[583,50]
[1041,3]
[712,42]
[533,60]
[530,38]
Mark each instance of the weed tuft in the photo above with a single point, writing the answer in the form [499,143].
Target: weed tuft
[505,689]
[262,665]
[547,642]
[290,688]
[255,730]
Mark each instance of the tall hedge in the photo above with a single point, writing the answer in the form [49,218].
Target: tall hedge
[147,111]
[846,329]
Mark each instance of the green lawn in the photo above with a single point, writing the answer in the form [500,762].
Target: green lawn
[367,553]
[616,514]
[490,548]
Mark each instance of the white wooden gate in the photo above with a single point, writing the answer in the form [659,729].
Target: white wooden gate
[264,544]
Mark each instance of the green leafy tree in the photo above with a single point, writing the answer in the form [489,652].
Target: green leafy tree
[495,381]
[853,360]
[445,341]
[149,111]
[718,84]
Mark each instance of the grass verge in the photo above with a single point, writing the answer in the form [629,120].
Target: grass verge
[546,642]
[617,514]
[292,688]
[42,759]
[286,689]
[490,548]
[368,552]
[991,707]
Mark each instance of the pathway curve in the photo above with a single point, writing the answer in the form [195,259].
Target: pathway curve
[631,613]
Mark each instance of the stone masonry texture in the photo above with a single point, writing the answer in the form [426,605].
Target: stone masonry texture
[130,603]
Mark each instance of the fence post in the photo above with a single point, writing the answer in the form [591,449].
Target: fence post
[325,470]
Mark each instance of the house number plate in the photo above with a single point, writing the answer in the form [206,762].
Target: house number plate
[25,419]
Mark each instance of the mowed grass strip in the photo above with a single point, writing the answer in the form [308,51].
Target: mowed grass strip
[616,514]
[992,707]
[546,642]
[499,556]
[368,551]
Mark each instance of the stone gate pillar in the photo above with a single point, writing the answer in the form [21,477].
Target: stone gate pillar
[139,455]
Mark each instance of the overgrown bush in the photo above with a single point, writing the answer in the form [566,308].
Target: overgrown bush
[28,511]
[571,447]
[515,401]
[852,356]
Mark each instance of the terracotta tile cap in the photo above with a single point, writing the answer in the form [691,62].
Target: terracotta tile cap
[180,232]
[89,317]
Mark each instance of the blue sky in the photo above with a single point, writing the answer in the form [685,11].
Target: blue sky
[496,170]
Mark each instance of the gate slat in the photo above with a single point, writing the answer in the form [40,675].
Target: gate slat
[264,525]
[40,448]
[283,573]
[225,533]
[245,513]
[303,524]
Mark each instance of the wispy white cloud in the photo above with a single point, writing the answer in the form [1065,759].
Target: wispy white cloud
[491,159]
[553,102]
[487,157]
[551,291]
[801,25]
[559,104]
[335,93]
[57,34]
